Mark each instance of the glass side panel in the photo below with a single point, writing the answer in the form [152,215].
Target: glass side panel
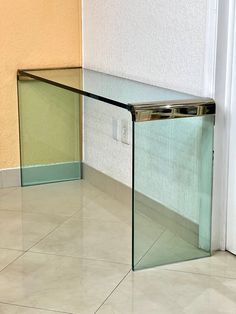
[172,190]
[49,133]
[113,88]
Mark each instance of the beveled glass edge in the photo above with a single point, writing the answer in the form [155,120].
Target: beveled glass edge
[173,109]
[23,75]
[140,112]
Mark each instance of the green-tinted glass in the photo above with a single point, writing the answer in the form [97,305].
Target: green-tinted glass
[49,133]
[172,190]
[108,88]
[172,160]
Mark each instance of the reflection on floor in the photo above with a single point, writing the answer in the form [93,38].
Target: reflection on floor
[66,248]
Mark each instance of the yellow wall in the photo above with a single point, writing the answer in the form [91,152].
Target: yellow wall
[33,34]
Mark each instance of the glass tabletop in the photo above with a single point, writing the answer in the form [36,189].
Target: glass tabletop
[112,89]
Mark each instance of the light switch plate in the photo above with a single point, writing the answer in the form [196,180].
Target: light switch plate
[125,136]
[115,129]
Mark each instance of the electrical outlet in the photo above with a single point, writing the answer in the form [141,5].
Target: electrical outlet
[115,129]
[125,136]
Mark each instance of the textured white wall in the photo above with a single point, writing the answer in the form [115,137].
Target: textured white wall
[173,160]
[101,151]
[155,41]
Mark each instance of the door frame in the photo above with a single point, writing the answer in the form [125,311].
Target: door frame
[224,200]
[231,197]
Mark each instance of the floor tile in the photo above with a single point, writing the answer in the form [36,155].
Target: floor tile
[20,230]
[90,238]
[170,292]
[63,198]
[106,208]
[11,200]
[7,256]
[14,309]
[4,191]
[96,244]
[220,264]
[59,283]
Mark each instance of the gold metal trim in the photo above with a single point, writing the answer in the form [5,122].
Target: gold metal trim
[172,109]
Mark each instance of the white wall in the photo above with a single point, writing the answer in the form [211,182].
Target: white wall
[101,151]
[173,160]
[162,42]
[156,41]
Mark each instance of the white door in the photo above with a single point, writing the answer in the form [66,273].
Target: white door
[231,204]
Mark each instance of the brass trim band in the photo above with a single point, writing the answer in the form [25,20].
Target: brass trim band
[172,109]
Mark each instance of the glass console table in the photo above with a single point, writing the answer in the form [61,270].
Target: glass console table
[172,153]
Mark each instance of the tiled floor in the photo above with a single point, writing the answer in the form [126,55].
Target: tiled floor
[66,248]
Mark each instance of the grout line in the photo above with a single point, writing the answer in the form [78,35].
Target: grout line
[80,257]
[58,226]
[65,221]
[113,291]
[10,249]
[36,308]
[67,218]
[23,253]
[201,274]
[155,241]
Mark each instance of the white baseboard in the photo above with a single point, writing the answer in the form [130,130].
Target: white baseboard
[10,177]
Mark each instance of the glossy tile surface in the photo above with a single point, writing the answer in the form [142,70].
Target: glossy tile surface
[4,191]
[101,230]
[59,283]
[107,208]
[90,238]
[28,214]
[168,292]
[220,264]
[21,230]
[63,198]
[82,265]
[7,256]
[14,309]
